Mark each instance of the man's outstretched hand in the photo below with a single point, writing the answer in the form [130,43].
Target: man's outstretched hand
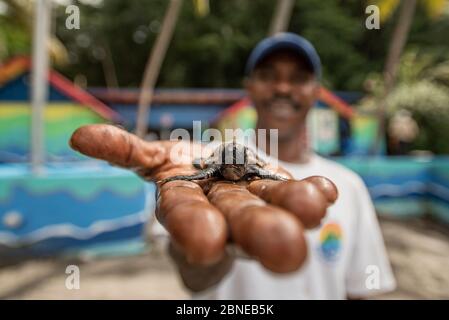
[265,218]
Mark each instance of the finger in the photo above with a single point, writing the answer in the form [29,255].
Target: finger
[197,228]
[326,186]
[306,199]
[276,169]
[268,233]
[117,146]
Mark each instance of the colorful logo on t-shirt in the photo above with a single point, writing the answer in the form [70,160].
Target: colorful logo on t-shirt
[330,241]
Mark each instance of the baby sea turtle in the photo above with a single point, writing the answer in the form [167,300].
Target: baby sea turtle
[230,161]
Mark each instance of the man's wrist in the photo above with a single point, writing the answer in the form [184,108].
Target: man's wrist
[198,278]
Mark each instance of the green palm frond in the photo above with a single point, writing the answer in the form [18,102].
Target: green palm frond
[201,7]
[386,8]
[433,8]
[20,17]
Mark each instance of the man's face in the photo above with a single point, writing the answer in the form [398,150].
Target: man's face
[283,90]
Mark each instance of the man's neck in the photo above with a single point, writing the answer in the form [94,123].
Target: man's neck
[295,149]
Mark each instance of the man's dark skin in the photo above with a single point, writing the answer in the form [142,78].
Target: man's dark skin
[283,89]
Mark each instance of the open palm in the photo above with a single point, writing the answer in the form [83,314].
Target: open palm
[265,218]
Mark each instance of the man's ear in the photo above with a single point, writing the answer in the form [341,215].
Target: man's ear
[317,90]
[248,85]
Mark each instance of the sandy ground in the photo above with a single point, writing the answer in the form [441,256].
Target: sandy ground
[418,249]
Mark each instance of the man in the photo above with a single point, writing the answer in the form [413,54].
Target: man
[347,256]
[346,259]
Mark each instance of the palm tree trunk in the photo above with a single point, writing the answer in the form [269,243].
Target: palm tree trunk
[397,43]
[281,17]
[109,67]
[153,66]
[39,85]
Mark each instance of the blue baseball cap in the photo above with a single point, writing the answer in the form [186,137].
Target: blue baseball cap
[285,41]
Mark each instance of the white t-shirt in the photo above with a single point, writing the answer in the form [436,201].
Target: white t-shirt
[347,256]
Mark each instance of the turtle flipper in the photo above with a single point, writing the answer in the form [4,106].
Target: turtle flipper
[256,171]
[201,175]
[198,163]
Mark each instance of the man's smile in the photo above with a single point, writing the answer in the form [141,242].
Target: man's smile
[283,108]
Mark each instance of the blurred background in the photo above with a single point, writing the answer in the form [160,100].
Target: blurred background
[154,66]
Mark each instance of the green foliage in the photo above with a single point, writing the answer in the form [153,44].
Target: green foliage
[211,51]
[429,104]
[13,40]
[423,89]
[205,52]
[336,33]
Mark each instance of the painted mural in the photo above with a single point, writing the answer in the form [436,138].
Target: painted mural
[364,128]
[61,119]
[79,205]
[71,207]
[323,122]
[406,186]
[68,108]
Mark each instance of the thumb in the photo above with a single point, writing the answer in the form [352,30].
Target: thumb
[117,146]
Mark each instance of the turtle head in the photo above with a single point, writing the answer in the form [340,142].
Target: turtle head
[233,161]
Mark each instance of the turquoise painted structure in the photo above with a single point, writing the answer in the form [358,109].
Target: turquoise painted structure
[405,186]
[89,206]
[72,208]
